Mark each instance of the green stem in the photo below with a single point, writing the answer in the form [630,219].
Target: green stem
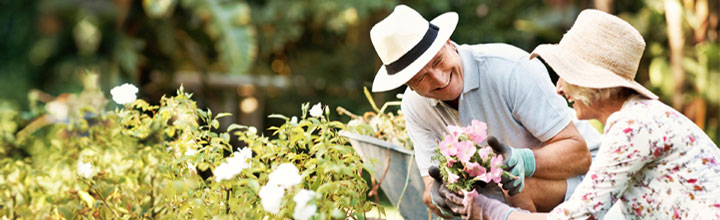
[105,202]
[407,180]
[227,201]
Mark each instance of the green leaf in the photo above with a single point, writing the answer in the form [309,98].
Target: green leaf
[215,123]
[203,166]
[338,214]
[225,137]
[254,185]
[203,114]
[278,116]
[223,114]
[236,43]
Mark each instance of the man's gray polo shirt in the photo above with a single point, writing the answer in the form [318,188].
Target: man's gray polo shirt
[503,88]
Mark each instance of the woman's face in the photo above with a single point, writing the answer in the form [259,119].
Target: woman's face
[583,111]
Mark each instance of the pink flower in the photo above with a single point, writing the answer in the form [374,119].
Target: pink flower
[469,197]
[477,131]
[450,161]
[455,131]
[465,151]
[475,169]
[452,178]
[496,170]
[484,153]
[447,146]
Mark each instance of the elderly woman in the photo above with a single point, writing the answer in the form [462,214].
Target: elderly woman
[654,160]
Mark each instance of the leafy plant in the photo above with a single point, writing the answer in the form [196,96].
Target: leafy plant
[386,126]
[157,161]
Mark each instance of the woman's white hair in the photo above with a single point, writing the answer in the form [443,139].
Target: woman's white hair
[590,96]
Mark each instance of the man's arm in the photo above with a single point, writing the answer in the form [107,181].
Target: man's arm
[563,156]
[543,112]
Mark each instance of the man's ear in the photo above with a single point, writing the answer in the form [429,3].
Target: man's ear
[451,45]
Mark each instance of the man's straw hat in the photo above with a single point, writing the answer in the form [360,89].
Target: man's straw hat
[405,42]
[599,51]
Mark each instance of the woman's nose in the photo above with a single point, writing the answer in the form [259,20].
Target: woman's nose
[559,87]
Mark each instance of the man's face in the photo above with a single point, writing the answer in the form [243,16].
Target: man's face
[442,77]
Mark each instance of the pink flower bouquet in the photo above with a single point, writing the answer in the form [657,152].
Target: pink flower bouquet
[464,163]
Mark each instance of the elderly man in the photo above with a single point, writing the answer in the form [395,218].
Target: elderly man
[451,84]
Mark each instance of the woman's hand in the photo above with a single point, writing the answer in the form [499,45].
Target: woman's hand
[477,207]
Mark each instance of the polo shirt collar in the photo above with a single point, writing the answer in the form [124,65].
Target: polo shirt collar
[470,68]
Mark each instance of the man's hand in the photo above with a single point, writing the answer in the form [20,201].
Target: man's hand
[432,197]
[478,207]
[520,162]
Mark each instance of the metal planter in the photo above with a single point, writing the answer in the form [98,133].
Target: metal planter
[402,164]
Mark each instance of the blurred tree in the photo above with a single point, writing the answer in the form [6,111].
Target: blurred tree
[321,47]
[50,44]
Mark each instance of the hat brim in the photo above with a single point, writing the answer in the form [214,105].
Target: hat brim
[384,82]
[576,71]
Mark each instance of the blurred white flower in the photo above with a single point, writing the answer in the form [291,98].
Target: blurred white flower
[316,110]
[354,123]
[124,93]
[293,120]
[84,169]
[191,167]
[58,110]
[270,197]
[399,96]
[286,175]
[233,165]
[190,152]
[375,123]
[303,211]
[224,172]
[252,130]
[327,110]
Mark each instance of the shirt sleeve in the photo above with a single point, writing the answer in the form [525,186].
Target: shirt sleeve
[534,102]
[624,151]
[422,138]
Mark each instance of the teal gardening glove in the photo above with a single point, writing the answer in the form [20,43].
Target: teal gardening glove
[518,161]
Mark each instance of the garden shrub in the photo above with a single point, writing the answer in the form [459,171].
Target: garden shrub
[142,161]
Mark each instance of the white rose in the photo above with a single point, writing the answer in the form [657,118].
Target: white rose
[84,169]
[286,175]
[245,154]
[316,110]
[303,211]
[124,93]
[223,172]
[270,197]
[233,165]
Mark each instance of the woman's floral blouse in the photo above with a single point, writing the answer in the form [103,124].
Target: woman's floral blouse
[656,161]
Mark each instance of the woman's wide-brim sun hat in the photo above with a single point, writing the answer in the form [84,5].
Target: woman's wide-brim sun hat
[599,51]
[406,42]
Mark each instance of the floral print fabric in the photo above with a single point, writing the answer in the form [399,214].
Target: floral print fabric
[656,162]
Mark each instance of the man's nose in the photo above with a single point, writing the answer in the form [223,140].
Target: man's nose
[437,75]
